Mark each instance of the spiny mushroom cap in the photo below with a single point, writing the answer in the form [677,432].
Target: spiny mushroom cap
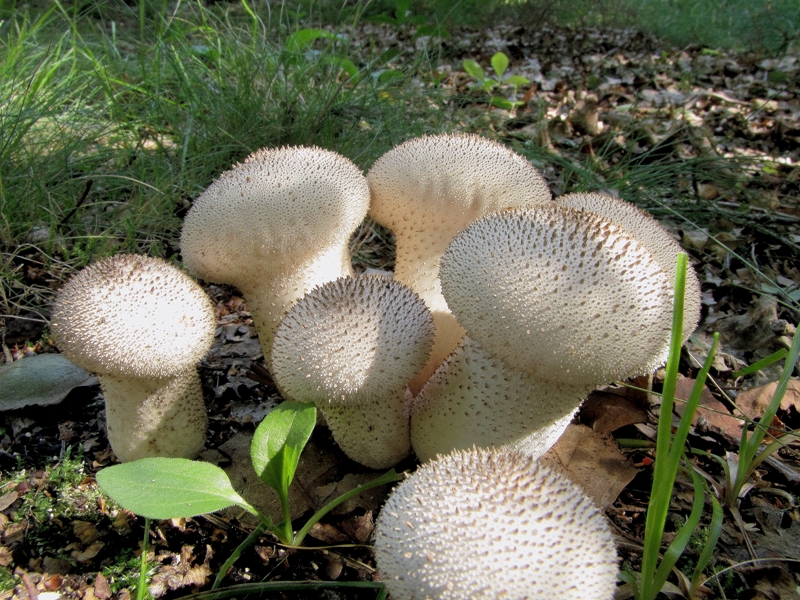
[133,316]
[468,174]
[279,207]
[351,341]
[475,399]
[560,294]
[482,525]
[428,188]
[652,234]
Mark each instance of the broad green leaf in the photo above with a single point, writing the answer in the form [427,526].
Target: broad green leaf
[278,442]
[517,80]
[401,10]
[39,380]
[503,103]
[348,67]
[302,39]
[499,63]
[169,488]
[473,69]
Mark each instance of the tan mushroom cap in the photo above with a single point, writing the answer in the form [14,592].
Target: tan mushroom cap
[351,346]
[560,294]
[429,188]
[649,232]
[351,341]
[483,525]
[275,226]
[133,316]
[474,399]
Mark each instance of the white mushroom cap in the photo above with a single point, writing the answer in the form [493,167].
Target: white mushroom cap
[141,325]
[482,525]
[560,294]
[351,346]
[474,399]
[133,316]
[275,226]
[351,341]
[649,232]
[426,190]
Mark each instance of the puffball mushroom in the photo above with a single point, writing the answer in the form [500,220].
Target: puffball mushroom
[473,398]
[141,325]
[555,302]
[482,525]
[275,226]
[653,235]
[351,346]
[429,188]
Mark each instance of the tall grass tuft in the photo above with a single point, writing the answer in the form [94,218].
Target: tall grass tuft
[112,120]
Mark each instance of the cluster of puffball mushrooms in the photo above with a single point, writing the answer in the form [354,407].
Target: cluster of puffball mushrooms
[505,309]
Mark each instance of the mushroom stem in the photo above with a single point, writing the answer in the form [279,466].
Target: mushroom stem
[473,398]
[269,299]
[383,438]
[144,420]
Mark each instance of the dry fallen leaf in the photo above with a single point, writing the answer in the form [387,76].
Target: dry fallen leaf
[594,461]
[710,409]
[753,402]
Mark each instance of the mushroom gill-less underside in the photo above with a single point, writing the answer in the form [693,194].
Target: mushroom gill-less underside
[482,525]
[426,190]
[475,399]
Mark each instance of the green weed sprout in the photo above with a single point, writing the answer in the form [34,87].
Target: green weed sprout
[669,452]
[489,84]
[171,488]
[738,468]
[403,15]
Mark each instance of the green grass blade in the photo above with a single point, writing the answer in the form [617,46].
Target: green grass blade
[761,364]
[678,545]
[661,492]
[388,477]
[751,444]
[714,531]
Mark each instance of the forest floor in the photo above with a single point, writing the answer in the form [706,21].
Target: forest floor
[603,108]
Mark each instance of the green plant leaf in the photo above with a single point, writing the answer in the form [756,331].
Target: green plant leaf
[503,103]
[302,39]
[517,80]
[499,64]
[473,69]
[278,442]
[169,488]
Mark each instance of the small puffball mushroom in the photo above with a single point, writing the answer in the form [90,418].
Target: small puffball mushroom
[141,325]
[351,346]
[429,188]
[474,399]
[653,235]
[482,525]
[275,226]
[560,294]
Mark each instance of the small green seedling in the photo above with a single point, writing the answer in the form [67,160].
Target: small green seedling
[489,84]
[404,16]
[171,488]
